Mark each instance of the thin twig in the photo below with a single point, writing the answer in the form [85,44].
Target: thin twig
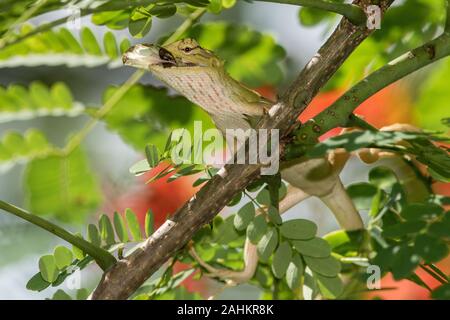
[352,12]
[103,258]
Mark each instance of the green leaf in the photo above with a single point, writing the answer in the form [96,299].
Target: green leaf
[104,17]
[38,100]
[133,225]
[281,260]
[440,229]
[310,16]
[215,6]
[403,229]
[149,223]
[442,292]
[89,42]
[94,235]
[152,154]
[342,241]
[147,115]
[431,105]
[330,287]
[15,147]
[244,216]
[163,11]
[106,230]
[404,262]
[362,195]
[140,22]
[256,229]
[63,187]
[328,267]
[110,45]
[300,229]
[430,249]
[294,272]
[274,215]
[382,177]
[121,230]
[82,294]
[60,47]
[77,252]
[48,268]
[63,257]
[61,295]
[228,3]
[224,231]
[141,167]
[316,247]
[267,244]
[421,211]
[37,283]
[252,57]
[236,199]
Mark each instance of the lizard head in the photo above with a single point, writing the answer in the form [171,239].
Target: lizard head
[185,53]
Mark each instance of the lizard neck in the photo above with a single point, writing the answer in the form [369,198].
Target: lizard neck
[229,103]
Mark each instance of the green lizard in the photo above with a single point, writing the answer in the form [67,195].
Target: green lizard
[200,76]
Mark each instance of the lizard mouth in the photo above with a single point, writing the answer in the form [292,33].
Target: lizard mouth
[149,55]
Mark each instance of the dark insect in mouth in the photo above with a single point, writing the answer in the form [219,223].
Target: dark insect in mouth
[166,56]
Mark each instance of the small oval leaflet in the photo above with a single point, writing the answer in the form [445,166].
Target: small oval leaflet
[274,215]
[281,260]
[244,216]
[294,272]
[330,287]
[267,244]
[48,268]
[328,267]
[119,225]
[133,224]
[63,257]
[299,229]
[94,235]
[256,229]
[316,247]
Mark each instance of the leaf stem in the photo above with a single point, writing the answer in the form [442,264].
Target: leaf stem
[352,12]
[103,258]
[433,274]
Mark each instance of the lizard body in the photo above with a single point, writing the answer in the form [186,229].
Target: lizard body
[230,104]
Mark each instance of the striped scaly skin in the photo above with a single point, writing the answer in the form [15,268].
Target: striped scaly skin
[199,75]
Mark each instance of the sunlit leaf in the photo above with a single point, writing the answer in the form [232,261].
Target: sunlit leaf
[62,186]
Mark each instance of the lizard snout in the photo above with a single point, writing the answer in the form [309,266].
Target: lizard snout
[141,56]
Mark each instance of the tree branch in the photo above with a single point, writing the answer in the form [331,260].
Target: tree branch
[103,258]
[129,274]
[337,115]
[352,12]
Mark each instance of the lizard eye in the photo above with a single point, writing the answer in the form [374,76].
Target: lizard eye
[187,49]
